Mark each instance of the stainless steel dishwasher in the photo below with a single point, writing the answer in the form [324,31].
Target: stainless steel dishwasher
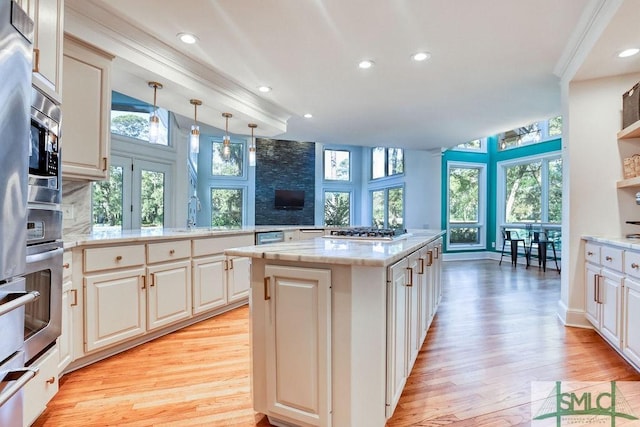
[265,237]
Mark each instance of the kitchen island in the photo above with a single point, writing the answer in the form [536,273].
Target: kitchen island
[336,325]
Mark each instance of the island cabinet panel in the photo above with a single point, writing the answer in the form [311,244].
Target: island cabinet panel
[631,319]
[115,307]
[238,277]
[397,332]
[298,351]
[414,291]
[209,289]
[169,293]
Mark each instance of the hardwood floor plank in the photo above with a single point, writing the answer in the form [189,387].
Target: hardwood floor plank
[495,332]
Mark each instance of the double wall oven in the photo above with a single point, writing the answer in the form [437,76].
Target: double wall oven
[30,216]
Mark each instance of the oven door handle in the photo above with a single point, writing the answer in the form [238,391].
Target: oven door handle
[17,300]
[42,256]
[21,377]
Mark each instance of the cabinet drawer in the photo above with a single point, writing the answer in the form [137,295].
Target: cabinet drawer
[611,258]
[217,245]
[168,251]
[632,264]
[592,253]
[41,389]
[67,265]
[113,257]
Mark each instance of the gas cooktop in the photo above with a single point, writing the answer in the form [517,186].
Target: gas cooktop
[367,233]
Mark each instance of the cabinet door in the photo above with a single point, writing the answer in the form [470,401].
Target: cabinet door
[47,61]
[631,320]
[396,333]
[209,289]
[413,311]
[238,278]
[87,107]
[591,283]
[115,307]
[65,343]
[426,292]
[611,303]
[299,344]
[168,293]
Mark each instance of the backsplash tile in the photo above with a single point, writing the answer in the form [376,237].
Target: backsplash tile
[76,199]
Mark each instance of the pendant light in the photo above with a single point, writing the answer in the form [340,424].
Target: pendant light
[154,120]
[194,138]
[252,146]
[226,141]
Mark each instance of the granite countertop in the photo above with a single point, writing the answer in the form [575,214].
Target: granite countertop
[330,250]
[621,242]
[145,235]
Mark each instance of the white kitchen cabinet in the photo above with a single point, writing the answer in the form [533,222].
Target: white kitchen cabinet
[309,233]
[48,17]
[69,301]
[397,331]
[238,278]
[425,273]
[209,287]
[592,304]
[298,343]
[631,320]
[115,307]
[168,293]
[611,295]
[41,388]
[414,291]
[87,108]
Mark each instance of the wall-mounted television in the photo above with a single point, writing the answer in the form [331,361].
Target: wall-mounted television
[289,199]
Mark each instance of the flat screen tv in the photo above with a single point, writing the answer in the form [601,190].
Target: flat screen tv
[289,199]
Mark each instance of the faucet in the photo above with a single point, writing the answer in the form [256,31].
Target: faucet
[191,222]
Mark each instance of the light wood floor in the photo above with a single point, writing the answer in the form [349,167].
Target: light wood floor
[495,332]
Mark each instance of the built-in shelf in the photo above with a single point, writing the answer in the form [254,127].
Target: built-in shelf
[631,131]
[628,183]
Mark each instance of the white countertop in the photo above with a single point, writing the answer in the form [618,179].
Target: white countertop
[329,250]
[618,241]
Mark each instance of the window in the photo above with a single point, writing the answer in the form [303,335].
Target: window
[532,190]
[337,165]
[130,118]
[133,197]
[387,207]
[231,165]
[337,208]
[531,134]
[466,205]
[477,145]
[386,162]
[226,207]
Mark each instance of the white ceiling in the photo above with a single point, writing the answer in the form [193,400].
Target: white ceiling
[492,65]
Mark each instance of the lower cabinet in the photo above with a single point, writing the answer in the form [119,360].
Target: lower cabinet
[631,320]
[41,388]
[209,289]
[69,301]
[298,350]
[168,293]
[397,332]
[238,278]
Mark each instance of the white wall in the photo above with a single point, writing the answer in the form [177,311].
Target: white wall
[592,165]
[423,188]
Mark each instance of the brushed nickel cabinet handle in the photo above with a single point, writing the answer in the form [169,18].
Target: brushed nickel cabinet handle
[267,282]
[36,60]
[75,297]
[410,270]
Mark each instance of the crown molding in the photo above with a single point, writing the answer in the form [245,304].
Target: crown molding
[141,57]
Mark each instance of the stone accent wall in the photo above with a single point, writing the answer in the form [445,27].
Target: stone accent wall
[284,165]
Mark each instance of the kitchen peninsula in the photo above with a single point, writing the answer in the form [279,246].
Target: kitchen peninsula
[337,324]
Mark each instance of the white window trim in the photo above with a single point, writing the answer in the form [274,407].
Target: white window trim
[386,189]
[501,186]
[337,181]
[482,207]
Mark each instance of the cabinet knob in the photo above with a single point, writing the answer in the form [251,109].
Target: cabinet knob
[634,265]
[608,258]
[172,251]
[51,380]
[119,258]
[589,253]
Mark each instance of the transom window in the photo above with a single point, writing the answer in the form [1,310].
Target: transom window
[386,162]
[337,165]
[130,118]
[227,161]
[531,134]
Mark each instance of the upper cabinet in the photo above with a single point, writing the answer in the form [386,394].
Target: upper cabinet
[48,16]
[86,131]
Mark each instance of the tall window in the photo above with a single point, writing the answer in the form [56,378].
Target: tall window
[337,208]
[387,208]
[386,162]
[227,165]
[532,190]
[466,205]
[337,165]
[226,207]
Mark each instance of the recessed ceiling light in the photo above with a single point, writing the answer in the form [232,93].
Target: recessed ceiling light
[187,38]
[308,115]
[367,63]
[264,89]
[421,56]
[628,52]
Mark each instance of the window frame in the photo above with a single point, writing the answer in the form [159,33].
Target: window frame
[386,164]
[482,149]
[386,190]
[481,223]
[543,130]
[324,158]
[244,163]
[222,186]
[324,201]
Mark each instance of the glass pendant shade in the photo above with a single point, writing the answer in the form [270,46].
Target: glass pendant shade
[226,141]
[154,128]
[252,146]
[194,139]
